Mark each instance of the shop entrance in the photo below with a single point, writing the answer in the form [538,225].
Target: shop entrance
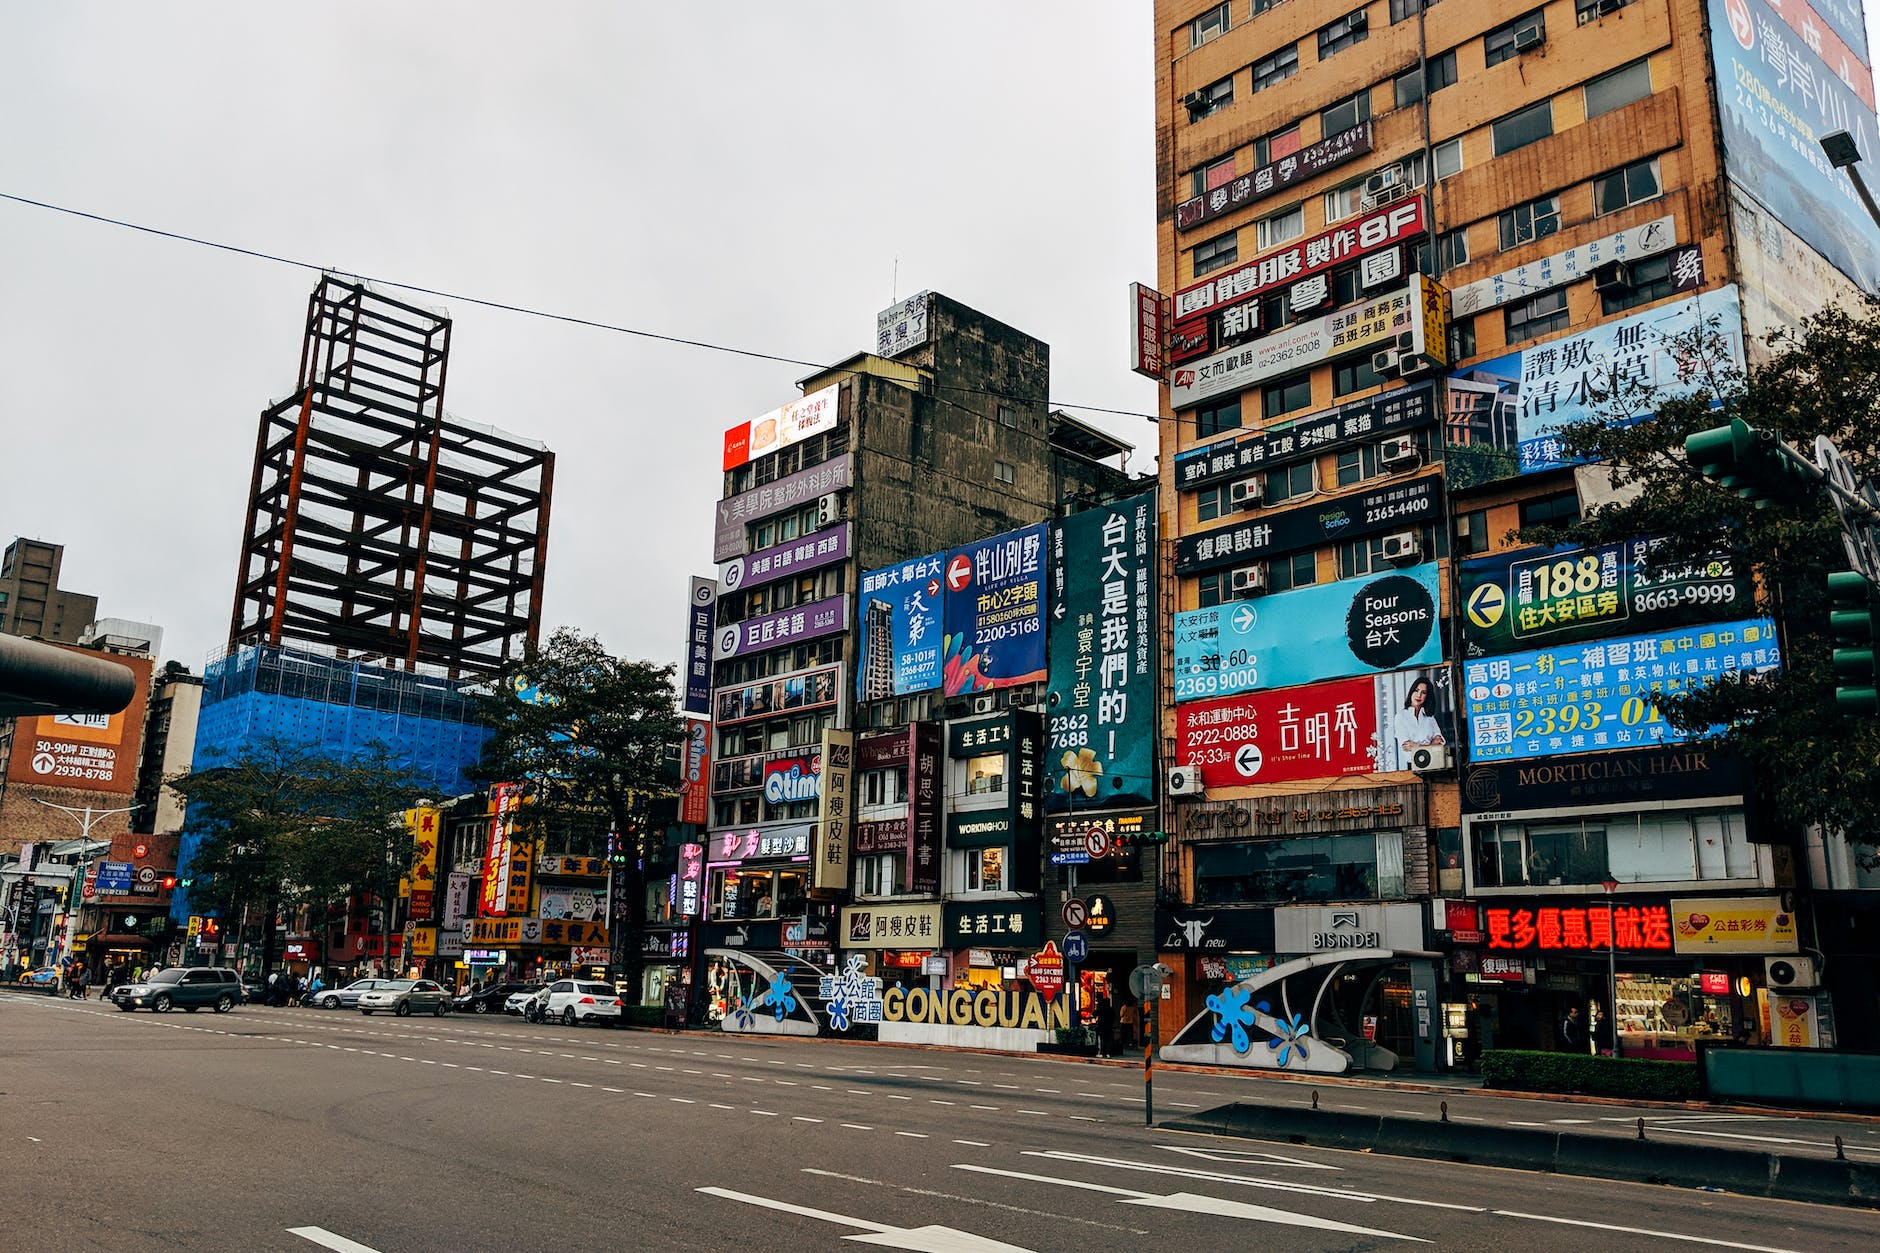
[1371,1007]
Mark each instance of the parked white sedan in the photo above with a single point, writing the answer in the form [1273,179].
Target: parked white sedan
[575,1001]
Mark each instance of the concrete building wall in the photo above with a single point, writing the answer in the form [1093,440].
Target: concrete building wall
[31,601]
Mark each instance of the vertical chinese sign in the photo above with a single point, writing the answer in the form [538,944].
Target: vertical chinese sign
[830,852]
[493,901]
[423,825]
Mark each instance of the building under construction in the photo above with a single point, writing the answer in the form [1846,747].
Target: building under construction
[378,526]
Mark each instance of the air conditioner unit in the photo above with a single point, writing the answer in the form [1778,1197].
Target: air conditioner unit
[1359,21]
[1610,6]
[1403,546]
[1388,195]
[1430,758]
[828,510]
[1246,493]
[985,704]
[1791,974]
[1383,180]
[1196,101]
[1184,781]
[1527,37]
[1611,279]
[1387,363]
[1248,579]
[1399,450]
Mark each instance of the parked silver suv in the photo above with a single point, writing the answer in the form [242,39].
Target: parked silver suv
[182,987]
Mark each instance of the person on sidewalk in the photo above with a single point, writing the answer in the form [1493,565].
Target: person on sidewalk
[1104,1014]
[1573,1031]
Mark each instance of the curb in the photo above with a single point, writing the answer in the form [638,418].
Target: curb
[1819,1181]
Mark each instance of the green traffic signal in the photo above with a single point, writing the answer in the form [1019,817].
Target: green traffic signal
[1852,622]
[1749,461]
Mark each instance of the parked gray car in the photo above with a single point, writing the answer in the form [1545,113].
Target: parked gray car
[405,997]
[185,988]
[348,996]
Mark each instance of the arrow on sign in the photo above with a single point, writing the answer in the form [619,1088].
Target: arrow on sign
[1247,759]
[929,1238]
[959,572]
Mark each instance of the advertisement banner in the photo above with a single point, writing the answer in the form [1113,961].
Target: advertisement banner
[901,632]
[1644,775]
[1394,507]
[1776,97]
[698,647]
[1321,731]
[1514,403]
[1360,422]
[786,626]
[1553,926]
[691,879]
[1149,308]
[1634,242]
[1783,279]
[1326,631]
[786,560]
[1369,326]
[86,752]
[994,924]
[1278,175]
[831,856]
[924,807]
[789,492]
[891,926]
[1533,596]
[1382,228]
[494,902]
[521,874]
[1732,924]
[902,326]
[695,794]
[783,426]
[1101,709]
[994,613]
[788,780]
[1588,697]
[425,827]
[806,691]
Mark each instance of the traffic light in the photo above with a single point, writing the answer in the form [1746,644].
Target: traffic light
[169,882]
[1153,837]
[1751,462]
[1852,622]
[1122,840]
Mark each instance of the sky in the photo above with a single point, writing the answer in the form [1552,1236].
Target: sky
[758,175]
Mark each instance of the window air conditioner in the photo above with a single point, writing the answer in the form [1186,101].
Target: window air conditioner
[1359,21]
[985,704]
[1611,279]
[1197,101]
[1399,450]
[1376,200]
[1403,546]
[1184,781]
[1248,579]
[1430,758]
[1791,973]
[1246,493]
[1527,37]
[1383,180]
[1387,363]
[1611,6]
[828,510]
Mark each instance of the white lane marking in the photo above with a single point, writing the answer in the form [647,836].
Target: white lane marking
[764,1113]
[1248,1181]
[931,1101]
[715,1105]
[977,1144]
[573,1084]
[1737,1135]
[1513,1123]
[932,1239]
[1640,1231]
[993,1109]
[914,1135]
[1569,1122]
[855,1126]
[803,1118]
[1040,1113]
[682,1100]
[327,1240]
[35,1139]
[617,1091]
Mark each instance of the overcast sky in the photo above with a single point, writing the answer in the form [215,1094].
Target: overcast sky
[743,173]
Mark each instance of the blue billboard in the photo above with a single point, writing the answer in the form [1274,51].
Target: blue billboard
[995,612]
[1329,631]
[1785,77]
[1526,396]
[900,629]
[1583,698]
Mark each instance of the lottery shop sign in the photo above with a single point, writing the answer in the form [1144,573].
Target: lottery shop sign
[1536,927]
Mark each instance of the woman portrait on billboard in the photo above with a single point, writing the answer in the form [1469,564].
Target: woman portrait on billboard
[1416,725]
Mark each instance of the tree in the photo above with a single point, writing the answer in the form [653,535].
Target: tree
[284,826]
[1808,762]
[590,735]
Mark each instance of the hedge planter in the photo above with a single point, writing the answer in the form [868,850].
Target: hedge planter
[1523,1070]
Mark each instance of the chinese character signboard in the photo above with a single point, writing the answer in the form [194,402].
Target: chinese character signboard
[901,635]
[1279,174]
[992,924]
[1320,731]
[1732,924]
[801,418]
[994,613]
[504,797]
[1631,244]
[1102,707]
[691,879]
[786,626]
[901,326]
[698,647]
[1394,507]
[424,825]
[1383,228]
[1630,927]
[1360,422]
[761,842]
[86,752]
[831,857]
[786,560]
[1326,631]
[1590,697]
[891,926]
[1530,596]
[695,789]
[789,492]
[924,807]
[521,871]
[1149,309]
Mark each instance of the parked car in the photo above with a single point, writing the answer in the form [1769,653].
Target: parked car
[186,988]
[45,978]
[405,997]
[254,991]
[519,999]
[490,1000]
[348,996]
[575,1001]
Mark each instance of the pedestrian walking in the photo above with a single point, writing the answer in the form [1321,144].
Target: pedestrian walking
[1105,1015]
[1573,1031]
[1127,1018]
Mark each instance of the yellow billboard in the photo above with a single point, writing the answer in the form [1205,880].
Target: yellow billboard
[1732,924]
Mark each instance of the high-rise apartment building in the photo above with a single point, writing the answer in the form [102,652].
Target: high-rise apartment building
[1401,243]
[31,601]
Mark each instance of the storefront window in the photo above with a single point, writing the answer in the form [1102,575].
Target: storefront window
[1310,868]
[1667,847]
[985,775]
[1664,1016]
[741,893]
[985,870]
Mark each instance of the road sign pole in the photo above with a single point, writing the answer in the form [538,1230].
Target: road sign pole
[1148,1064]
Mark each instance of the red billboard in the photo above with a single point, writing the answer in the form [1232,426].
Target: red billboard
[695,791]
[1319,731]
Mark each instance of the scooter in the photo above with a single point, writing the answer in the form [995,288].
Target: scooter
[535,1009]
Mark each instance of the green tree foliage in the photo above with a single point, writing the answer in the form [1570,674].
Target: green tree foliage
[285,826]
[590,735]
[1809,763]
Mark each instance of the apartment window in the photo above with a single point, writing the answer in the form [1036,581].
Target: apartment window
[1471,533]
[1361,556]
[1537,315]
[1585,11]
[1452,250]
[1355,465]
[1289,483]
[1448,158]
[1261,6]
[1005,472]
[1559,509]
[1524,34]
[1222,250]
[1282,227]
[1403,10]
[1354,376]
[985,870]
[1211,99]
[1276,68]
[1346,113]
[1518,130]
[1618,89]
[880,875]
[1345,287]
[1353,28]
[1287,395]
[1207,26]
[1270,148]
[1646,281]
[1660,846]
[1208,177]
[1461,339]
[1525,223]
[1342,202]
[1210,590]
[1438,72]
[1208,504]
[1008,416]
[1298,570]
[1213,419]
[1635,184]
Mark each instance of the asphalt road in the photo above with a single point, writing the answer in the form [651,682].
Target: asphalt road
[297,1130]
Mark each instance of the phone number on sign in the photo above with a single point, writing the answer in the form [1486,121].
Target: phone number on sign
[1689,594]
[1196,686]
[1198,736]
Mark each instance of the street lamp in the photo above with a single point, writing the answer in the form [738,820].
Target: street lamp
[1844,154]
[1612,966]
